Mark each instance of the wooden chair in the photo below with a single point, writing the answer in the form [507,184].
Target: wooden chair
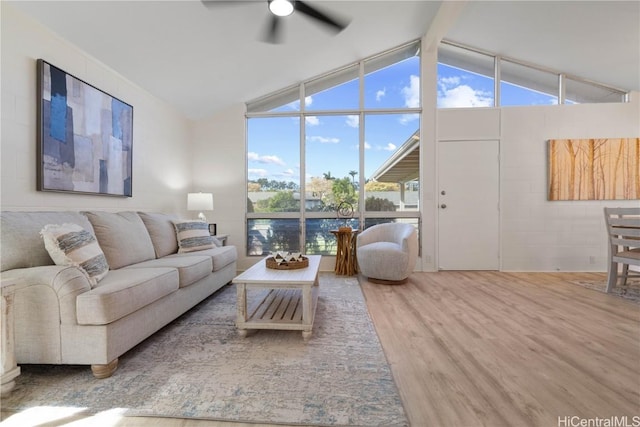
[623,228]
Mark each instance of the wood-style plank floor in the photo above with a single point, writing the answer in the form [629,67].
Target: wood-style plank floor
[508,349]
[494,349]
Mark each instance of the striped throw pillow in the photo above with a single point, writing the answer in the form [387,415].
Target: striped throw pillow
[193,236]
[70,244]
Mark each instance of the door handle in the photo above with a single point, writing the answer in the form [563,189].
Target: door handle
[443,206]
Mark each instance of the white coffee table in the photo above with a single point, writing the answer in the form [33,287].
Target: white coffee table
[288,300]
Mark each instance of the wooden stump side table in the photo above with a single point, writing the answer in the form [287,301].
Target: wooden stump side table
[346,260]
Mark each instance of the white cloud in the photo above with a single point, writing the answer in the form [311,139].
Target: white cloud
[324,139]
[449,81]
[406,118]
[411,93]
[255,157]
[353,121]
[453,93]
[463,96]
[287,173]
[380,94]
[389,147]
[295,105]
[258,172]
[272,159]
[312,120]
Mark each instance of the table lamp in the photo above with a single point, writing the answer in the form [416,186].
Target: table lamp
[200,202]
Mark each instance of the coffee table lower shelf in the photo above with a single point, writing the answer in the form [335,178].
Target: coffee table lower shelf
[288,299]
[281,309]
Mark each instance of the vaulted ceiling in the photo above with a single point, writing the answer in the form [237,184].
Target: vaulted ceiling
[202,59]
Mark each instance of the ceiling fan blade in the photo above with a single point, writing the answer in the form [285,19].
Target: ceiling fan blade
[334,22]
[273,34]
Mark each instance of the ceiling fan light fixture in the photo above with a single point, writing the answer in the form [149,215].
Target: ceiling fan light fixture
[281,7]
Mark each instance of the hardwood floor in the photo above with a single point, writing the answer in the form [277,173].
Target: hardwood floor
[508,349]
[495,349]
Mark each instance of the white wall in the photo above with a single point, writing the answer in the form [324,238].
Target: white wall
[219,161]
[536,234]
[173,156]
[161,135]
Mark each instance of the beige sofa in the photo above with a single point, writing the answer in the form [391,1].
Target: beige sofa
[60,319]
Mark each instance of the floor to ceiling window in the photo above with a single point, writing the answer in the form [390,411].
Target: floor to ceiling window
[340,149]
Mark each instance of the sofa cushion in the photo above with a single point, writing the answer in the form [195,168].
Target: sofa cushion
[22,245]
[123,237]
[193,236]
[220,257]
[70,244]
[162,232]
[190,268]
[124,291]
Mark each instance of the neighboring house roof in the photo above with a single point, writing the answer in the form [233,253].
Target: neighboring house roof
[403,165]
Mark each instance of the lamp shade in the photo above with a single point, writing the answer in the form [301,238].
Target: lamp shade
[200,201]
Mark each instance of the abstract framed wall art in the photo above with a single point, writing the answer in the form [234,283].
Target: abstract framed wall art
[85,136]
[594,169]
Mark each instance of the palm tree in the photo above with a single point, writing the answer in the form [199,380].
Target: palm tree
[353,176]
[328,176]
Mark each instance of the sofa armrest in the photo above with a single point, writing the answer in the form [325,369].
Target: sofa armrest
[63,283]
[56,276]
[44,299]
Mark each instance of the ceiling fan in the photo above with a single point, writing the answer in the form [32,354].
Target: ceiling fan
[282,8]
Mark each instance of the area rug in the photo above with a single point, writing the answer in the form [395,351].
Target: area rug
[630,292]
[198,367]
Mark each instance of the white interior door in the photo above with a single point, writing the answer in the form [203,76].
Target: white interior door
[468,205]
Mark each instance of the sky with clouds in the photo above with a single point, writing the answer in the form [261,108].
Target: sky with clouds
[332,140]
[458,88]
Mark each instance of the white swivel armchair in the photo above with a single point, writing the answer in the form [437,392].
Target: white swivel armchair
[387,253]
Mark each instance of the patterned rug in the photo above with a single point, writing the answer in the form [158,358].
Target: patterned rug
[629,292]
[198,367]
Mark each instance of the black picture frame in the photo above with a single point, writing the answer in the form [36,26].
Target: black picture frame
[84,136]
[213,229]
